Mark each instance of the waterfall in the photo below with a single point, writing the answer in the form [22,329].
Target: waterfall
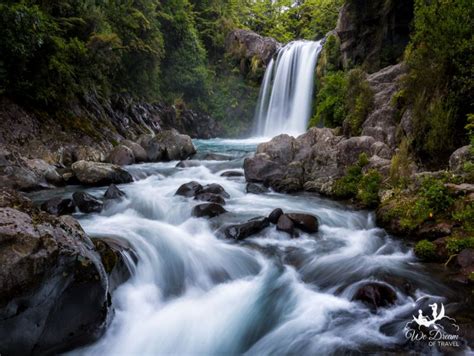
[284,104]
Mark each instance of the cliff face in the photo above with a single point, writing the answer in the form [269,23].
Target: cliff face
[374,33]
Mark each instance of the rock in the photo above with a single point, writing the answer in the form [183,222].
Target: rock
[153,149]
[215,188]
[281,148]
[208,210]
[174,146]
[87,203]
[285,224]
[97,174]
[113,192]
[58,206]
[210,197]
[261,168]
[45,170]
[254,188]
[70,154]
[50,273]
[188,164]
[465,258]
[460,189]
[138,151]
[251,227]
[275,215]
[232,174]
[375,294]
[189,189]
[306,222]
[121,155]
[459,158]
[215,157]
[246,45]
[431,230]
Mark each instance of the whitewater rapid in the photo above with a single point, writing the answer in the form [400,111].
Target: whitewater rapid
[192,292]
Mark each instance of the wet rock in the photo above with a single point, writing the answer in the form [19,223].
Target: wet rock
[254,188]
[58,206]
[232,174]
[306,222]
[189,189]
[464,263]
[138,151]
[210,197]
[208,210]
[216,157]
[285,224]
[97,174]
[174,146]
[87,203]
[215,188]
[376,294]
[113,192]
[275,215]
[251,227]
[431,230]
[261,168]
[188,164]
[121,156]
[50,273]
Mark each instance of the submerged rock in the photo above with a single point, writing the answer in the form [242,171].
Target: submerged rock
[97,174]
[215,188]
[189,189]
[375,294]
[188,164]
[254,188]
[210,197]
[208,210]
[58,206]
[50,274]
[231,174]
[251,227]
[87,203]
[306,222]
[113,192]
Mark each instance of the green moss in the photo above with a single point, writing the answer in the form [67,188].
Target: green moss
[368,188]
[425,250]
[455,245]
[465,216]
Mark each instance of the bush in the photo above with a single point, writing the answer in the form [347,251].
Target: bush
[455,245]
[436,195]
[359,101]
[400,166]
[465,216]
[425,250]
[368,188]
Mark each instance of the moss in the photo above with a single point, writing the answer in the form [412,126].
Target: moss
[368,188]
[465,217]
[425,250]
[455,245]
[360,100]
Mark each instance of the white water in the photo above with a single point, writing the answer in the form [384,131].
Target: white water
[285,100]
[193,292]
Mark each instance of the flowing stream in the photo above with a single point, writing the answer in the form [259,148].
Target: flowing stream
[194,292]
[285,100]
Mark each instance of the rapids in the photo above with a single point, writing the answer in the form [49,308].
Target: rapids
[194,292]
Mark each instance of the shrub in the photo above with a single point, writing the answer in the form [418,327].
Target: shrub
[436,195]
[359,100]
[465,217]
[425,250]
[455,245]
[368,188]
[400,166]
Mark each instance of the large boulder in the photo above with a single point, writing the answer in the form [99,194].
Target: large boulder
[460,157]
[152,148]
[375,294]
[275,215]
[138,151]
[167,145]
[98,174]
[285,224]
[121,155]
[209,210]
[215,188]
[113,192]
[50,274]
[251,227]
[306,222]
[189,189]
[210,197]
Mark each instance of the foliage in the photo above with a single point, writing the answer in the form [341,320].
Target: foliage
[331,100]
[439,86]
[465,217]
[436,195]
[425,250]
[400,166]
[457,244]
[368,188]
[359,100]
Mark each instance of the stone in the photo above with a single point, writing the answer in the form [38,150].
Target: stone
[285,224]
[138,151]
[113,192]
[50,273]
[58,206]
[232,174]
[459,158]
[121,155]
[375,294]
[210,197]
[87,203]
[189,189]
[215,188]
[188,164]
[173,145]
[261,168]
[153,149]
[275,215]
[306,222]
[254,188]
[209,210]
[97,174]
[251,227]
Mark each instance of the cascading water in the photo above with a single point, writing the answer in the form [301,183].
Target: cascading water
[285,100]
[193,292]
